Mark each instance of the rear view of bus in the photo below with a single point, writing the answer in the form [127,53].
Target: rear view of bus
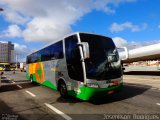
[88,66]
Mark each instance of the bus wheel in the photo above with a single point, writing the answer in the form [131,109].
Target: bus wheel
[63,90]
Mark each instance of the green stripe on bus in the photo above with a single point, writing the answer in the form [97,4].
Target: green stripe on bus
[45,83]
[39,71]
[49,84]
[27,76]
[34,77]
[88,93]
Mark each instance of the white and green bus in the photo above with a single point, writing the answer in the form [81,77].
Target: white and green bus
[83,65]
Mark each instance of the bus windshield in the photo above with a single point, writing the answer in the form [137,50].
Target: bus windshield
[104,62]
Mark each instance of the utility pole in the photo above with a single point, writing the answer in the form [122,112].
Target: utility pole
[16,60]
[1,9]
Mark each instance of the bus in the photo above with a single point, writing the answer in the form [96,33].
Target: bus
[4,66]
[83,65]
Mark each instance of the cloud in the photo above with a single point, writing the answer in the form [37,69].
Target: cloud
[115,27]
[21,51]
[14,17]
[47,20]
[119,42]
[12,31]
[109,6]
[3,41]
[45,29]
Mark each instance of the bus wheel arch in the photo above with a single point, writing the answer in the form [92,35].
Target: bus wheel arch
[62,88]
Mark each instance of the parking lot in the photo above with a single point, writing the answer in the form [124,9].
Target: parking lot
[21,99]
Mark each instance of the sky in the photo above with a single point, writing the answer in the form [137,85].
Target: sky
[32,24]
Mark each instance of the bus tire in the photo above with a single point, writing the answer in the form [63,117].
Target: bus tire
[63,89]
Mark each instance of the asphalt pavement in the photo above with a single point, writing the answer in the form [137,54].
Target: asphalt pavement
[23,100]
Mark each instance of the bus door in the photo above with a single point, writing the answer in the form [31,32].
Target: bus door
[73,61]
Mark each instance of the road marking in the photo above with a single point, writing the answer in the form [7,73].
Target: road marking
[13,82]
[19,86]
[153,88]
[158,103]
[33,95]
[58,111]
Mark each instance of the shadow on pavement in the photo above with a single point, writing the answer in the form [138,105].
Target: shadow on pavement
[6,113]
[13,87]
[6,81]
[128,91]
[149,73]
[70,99]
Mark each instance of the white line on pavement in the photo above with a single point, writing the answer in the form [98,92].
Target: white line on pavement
[153,88]
[33,95]
[158,103]
[13,82]
[19,86]
[58,111]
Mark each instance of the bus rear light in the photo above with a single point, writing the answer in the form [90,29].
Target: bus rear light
[93,85]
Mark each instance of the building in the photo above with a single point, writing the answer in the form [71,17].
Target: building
[6,52]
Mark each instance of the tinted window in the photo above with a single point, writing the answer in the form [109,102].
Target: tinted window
[2,66]
[104,62]
[74,64]
[54,51]
[29,60]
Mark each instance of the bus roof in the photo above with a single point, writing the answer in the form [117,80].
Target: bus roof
[62,39]
[4,63]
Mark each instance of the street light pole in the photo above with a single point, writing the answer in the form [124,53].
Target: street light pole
[16,54]
[1,9]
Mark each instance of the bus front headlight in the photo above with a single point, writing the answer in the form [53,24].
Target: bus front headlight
[93,85]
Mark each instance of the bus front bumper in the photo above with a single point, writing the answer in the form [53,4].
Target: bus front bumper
[86,93]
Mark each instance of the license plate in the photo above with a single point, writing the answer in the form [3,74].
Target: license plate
[111,92]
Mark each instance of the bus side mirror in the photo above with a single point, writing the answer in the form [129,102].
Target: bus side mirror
[124,55]
[85,48]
